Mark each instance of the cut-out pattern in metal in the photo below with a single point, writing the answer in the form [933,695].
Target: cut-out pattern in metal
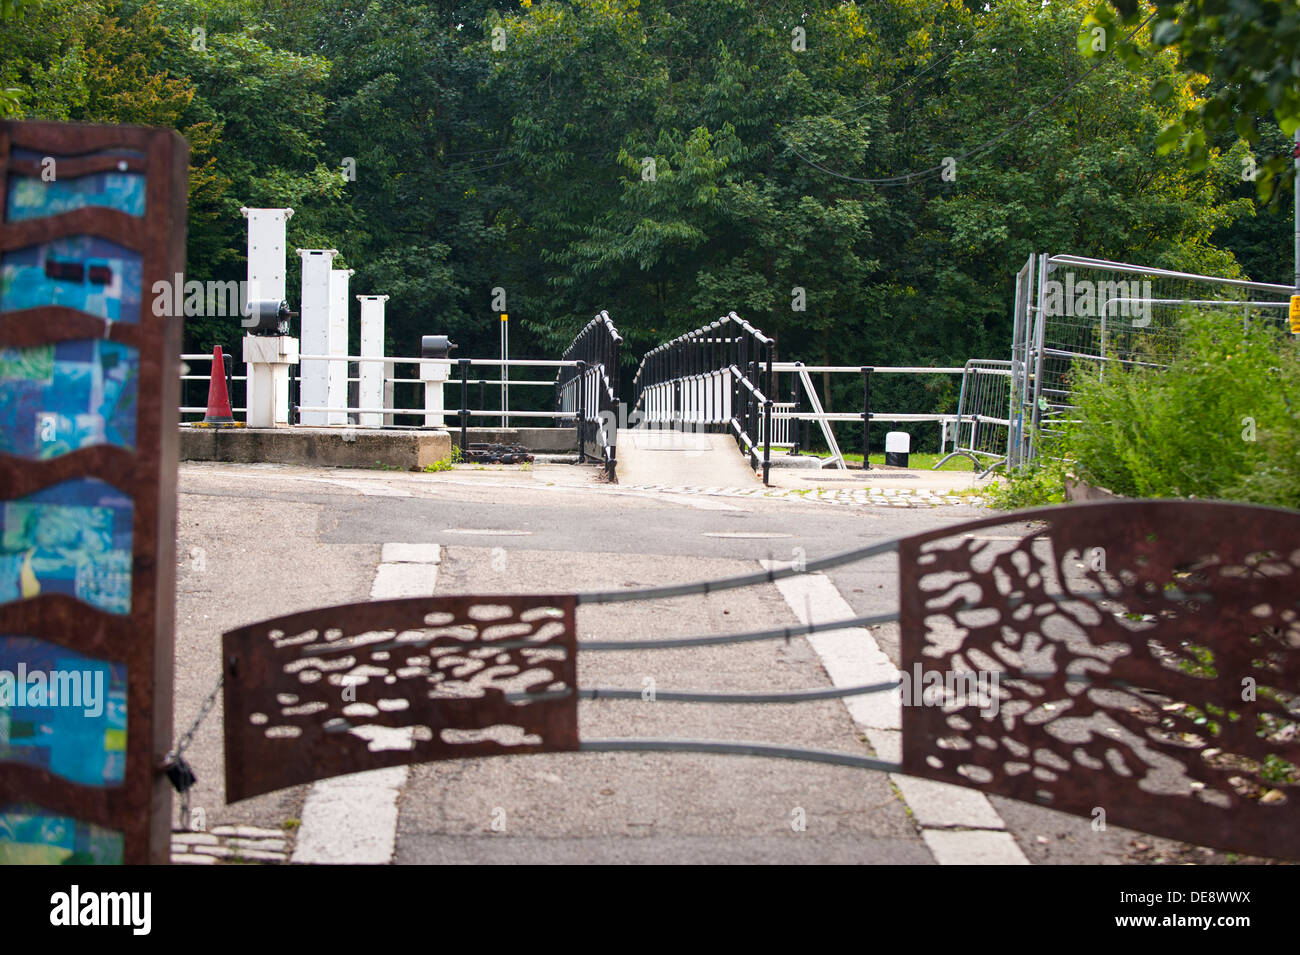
[1146,655]
[385,683]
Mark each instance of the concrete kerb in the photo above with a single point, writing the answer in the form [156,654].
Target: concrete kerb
[340,447]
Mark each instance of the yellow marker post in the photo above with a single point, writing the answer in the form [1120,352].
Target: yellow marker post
[1295,314]
[505,370]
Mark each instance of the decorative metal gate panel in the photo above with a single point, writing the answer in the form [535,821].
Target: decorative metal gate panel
[1148,661]
[385,683]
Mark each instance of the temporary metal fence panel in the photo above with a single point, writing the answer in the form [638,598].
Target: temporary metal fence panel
[1089,311]
[1028,668]
[985,411]
[1022,332]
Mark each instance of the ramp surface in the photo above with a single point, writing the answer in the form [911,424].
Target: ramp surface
[682,459]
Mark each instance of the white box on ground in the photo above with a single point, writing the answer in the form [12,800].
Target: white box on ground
[898,444]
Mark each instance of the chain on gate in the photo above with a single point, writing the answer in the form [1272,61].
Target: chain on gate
[174,764]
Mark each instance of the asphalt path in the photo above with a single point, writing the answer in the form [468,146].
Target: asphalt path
[258,541]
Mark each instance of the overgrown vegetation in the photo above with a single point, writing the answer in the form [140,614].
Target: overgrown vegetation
[1221,421]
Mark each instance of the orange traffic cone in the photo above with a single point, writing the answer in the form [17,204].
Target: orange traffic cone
[219,414]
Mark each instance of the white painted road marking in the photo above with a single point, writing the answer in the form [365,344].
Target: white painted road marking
[487,532]
[747,535]
[960,826]
[403,580]
[352,820]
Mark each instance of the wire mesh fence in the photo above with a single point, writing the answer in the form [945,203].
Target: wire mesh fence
[1073,312]
[984,413]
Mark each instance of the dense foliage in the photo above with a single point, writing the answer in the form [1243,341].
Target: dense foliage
[1248,49]
[665,161]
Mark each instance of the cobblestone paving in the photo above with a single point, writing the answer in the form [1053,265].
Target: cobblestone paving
[863,497]
[250,844]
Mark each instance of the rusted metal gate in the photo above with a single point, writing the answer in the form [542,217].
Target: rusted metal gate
[1143,657]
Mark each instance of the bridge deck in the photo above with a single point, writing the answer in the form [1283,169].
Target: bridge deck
[681,458]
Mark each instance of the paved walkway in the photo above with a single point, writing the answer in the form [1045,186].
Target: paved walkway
[681,458]
[558,529]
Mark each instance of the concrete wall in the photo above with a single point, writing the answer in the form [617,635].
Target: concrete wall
[541,440]
[319,447]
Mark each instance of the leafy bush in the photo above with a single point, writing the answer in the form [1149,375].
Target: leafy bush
[1221,421]
[1037,485]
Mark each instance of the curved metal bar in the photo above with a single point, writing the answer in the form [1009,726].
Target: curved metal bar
[736,749]
[777,633]
[745,580]
[688,696]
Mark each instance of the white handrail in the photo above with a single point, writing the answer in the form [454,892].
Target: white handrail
[857,369]
[448,362]
[421,412]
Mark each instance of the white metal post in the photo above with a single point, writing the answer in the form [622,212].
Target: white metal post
[371,392]
[315,308]
[390,371]
[338,345]
[266,280]
[434,377]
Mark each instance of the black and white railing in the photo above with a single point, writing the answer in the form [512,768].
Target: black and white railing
[586,389]
[715,378]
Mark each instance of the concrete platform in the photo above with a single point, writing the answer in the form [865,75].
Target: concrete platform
[681,459]
[321,447]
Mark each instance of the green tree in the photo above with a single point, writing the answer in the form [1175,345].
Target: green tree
[1245,54]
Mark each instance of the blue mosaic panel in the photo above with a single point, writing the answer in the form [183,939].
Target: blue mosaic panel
[58,398]
[71,538]
[84,272]
[62,711]
[32,197]
[30,836]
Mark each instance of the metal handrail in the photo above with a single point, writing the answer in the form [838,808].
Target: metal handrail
[587,385]
[685,380]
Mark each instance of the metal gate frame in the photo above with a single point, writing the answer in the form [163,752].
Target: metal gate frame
[1107,675]
[979,404]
